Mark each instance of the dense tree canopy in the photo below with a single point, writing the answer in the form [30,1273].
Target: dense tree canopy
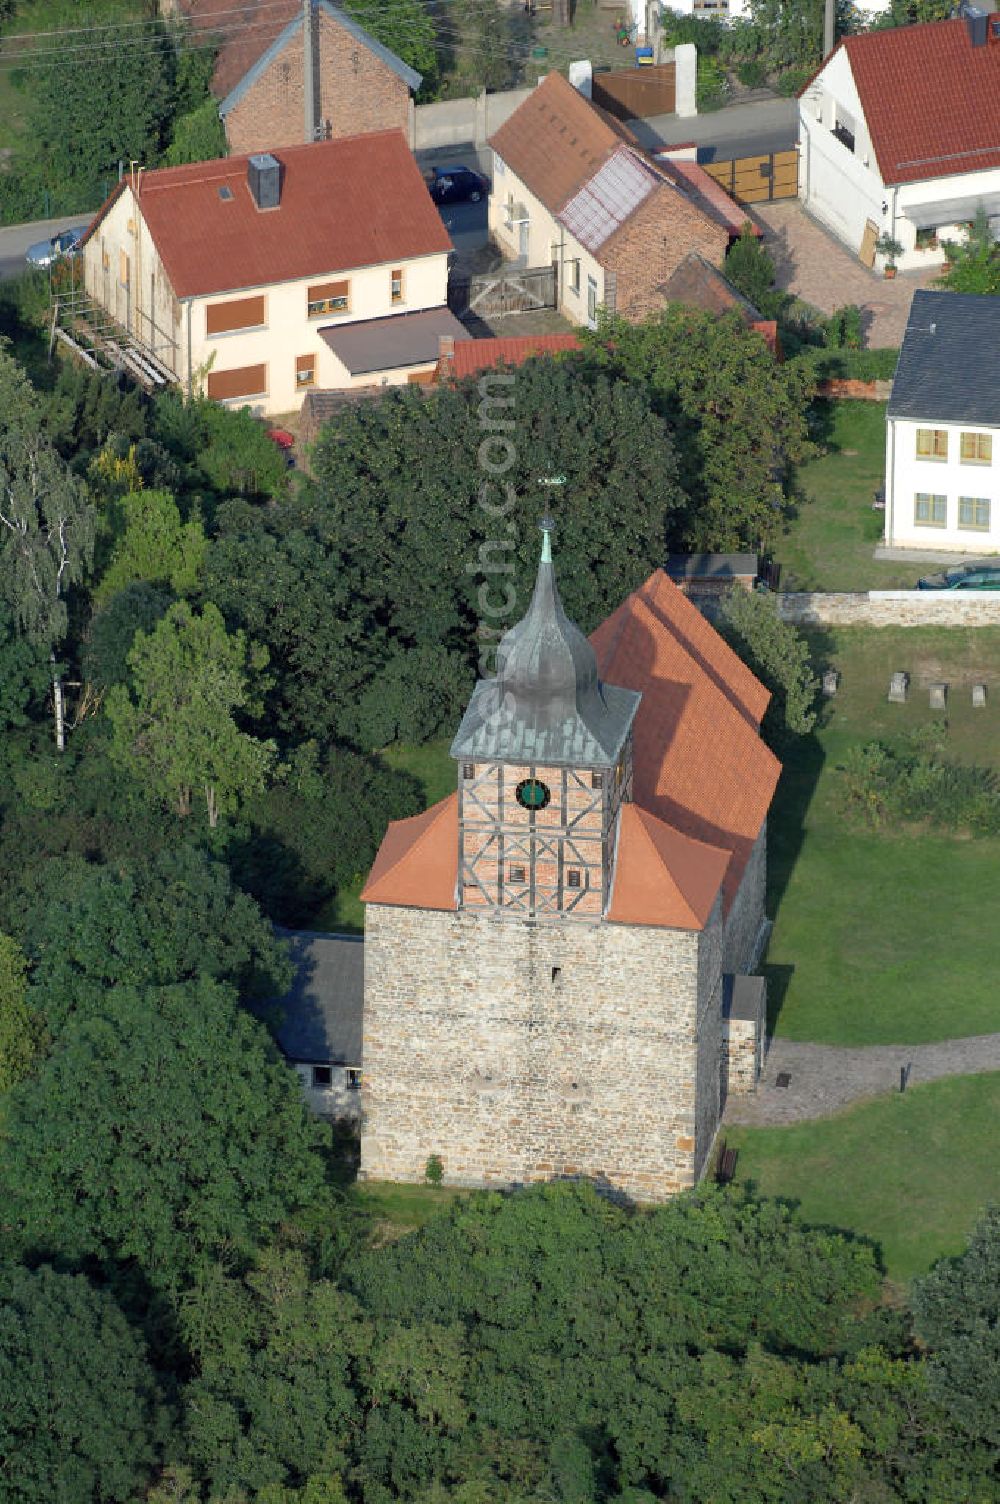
[82,1416]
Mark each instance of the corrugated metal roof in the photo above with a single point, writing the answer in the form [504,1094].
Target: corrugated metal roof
[604,203]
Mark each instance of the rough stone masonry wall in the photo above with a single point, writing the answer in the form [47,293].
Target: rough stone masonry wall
[893,608]
[475,1049]
[357,93]
[744,1052]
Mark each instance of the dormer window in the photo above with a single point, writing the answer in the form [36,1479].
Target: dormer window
[468,770]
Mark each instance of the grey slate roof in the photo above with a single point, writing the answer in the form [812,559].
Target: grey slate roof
[320,1017]
[710,566]
[949,365]
[742,997]
[398,339]
[546,704]
[409,75]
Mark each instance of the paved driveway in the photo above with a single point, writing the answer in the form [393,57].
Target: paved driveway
[811,263]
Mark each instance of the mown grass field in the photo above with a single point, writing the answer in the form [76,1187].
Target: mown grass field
[910,1172]
[829,543]
[882,936]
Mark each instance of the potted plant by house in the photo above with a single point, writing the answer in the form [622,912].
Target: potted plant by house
[890,248]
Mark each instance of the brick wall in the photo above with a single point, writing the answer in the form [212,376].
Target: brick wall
[653,243]
[522,1052]
[357,93]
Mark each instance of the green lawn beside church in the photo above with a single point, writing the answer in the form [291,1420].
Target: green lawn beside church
[910,1172]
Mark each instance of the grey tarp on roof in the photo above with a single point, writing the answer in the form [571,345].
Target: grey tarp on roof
[949,366]
[401,339]
[321,1014]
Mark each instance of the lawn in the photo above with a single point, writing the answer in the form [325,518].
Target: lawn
[830,542]
[879,936]
[910,1172]
[400,1209]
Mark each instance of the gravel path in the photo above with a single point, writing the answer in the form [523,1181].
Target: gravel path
[826,1078]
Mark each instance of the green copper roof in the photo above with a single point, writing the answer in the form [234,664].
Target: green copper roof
[547,703]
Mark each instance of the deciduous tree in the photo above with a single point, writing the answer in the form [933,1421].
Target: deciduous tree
[178,733]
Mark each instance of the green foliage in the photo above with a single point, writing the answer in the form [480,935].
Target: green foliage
[777,654]
[187,1138]
[975,265]
[434,1170]
[792,80]
[82,1417]
[86,409]
[111,634]
[229,449]
[749,267]
[911,12]
[711,84]
[418,695]
[752,73]
[708,34]
[199,136]
[317,828]
[819,363]
[24,673]
[120,105]
[178,733]
[174,918]
[488,54]
[957,1308]
[406,27]
[914,781]
[737,417]
[844,328]
[888,246]
[154,546]
[19,1033]
[386,552]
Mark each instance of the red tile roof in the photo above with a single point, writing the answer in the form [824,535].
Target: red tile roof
[699,762]
[703,778]
[417,862]
[556,140]
[474,355]
[931,99]
[359,201]
[713,196]
[661,876]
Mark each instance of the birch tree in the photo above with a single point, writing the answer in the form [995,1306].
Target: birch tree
[47,526]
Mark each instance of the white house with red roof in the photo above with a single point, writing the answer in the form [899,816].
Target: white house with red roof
[255,279]
[899,134]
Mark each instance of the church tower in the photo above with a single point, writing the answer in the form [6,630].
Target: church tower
[544,949]
[544,757]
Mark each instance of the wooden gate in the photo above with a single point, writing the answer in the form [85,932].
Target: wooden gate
[866,255]
[636,93]
[758,180]
[512,289]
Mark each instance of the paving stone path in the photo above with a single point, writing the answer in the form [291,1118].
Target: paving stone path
[814,265]
[826,1078]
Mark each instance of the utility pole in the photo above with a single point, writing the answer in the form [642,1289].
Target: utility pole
[829,18]
[309,70]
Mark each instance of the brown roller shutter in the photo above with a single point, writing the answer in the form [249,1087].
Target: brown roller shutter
[245,313]
[247,381]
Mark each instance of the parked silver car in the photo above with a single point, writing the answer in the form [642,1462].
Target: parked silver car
[45,252]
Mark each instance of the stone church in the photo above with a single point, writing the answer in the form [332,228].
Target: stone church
[557,955]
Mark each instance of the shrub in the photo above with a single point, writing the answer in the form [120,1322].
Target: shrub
[885,784]
[778,655]
[434,1170]
[712,86]
[849,365]
[792,80]
[752,73]
[749,267]
[844,328]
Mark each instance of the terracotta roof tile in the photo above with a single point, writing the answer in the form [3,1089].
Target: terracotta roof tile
[661,876]
[556,140]
[417,862]
[711,195]
[931,99]
[474,355]
[699,761]
[359,201]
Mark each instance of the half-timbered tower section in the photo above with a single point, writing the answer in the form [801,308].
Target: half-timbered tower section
[551,952]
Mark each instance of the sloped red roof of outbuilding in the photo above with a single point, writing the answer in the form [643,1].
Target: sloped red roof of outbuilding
[358,201]
[931,99]
[474,355]
[703,778]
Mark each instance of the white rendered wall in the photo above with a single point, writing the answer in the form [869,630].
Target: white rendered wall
[906,475]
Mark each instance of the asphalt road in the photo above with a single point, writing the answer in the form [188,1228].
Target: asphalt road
[741,130]
[466,224]
[15,240]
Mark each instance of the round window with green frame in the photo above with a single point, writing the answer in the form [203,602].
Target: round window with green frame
[531,793]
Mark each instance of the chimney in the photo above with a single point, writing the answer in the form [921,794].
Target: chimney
[264,180]
[446,348]
[977,23]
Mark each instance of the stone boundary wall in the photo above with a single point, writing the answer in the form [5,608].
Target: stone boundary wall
[892,608]
[743,1048]
[839,387]
[464,122]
